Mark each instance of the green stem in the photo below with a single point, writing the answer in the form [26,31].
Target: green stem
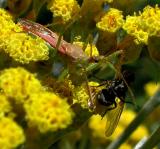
[145,111]
[153,140]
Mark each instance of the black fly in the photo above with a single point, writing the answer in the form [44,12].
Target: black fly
[114,89]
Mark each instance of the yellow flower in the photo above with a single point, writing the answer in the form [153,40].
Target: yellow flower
[5,106]
[126,117]
[139,133]
[151,88]
[98,125]
[23,48]
[125,146]
[133,27]
[150,20]
[11,134]
[48,112]
[81,96]
[111,21]
[145,25]
[7,26]
[18,83]
[64,9]
[90,50]
[20,46]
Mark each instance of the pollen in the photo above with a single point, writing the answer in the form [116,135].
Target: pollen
[111,21]
[11,134]
[18,84]
[64,9]
[48,113]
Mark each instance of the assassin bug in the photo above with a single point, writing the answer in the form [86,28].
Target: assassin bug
[71,50]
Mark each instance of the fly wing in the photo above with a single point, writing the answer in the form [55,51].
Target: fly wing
[113,117]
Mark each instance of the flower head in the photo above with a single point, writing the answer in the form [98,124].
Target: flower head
[133,26]
[81,96]
[64,9]
[6,24]
[98,125]
[11,134]
[18,83]
[23,48]
[151,88]
[150,20]
[90,50]
[111,21]
[144,25]
[48,112]
[5,106]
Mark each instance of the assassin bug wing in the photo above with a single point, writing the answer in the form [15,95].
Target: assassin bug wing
[113,117]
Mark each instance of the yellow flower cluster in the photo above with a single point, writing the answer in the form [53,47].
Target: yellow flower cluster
[151,88]
[111,21]
[150,20]
[90,50]
[20,46]
[143,25]
[81,96]
[7,25]
[64,9]
[18,84]
[48,112]
[5,106]
[23,48]
[98,125]
[133,26]
[11,134]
